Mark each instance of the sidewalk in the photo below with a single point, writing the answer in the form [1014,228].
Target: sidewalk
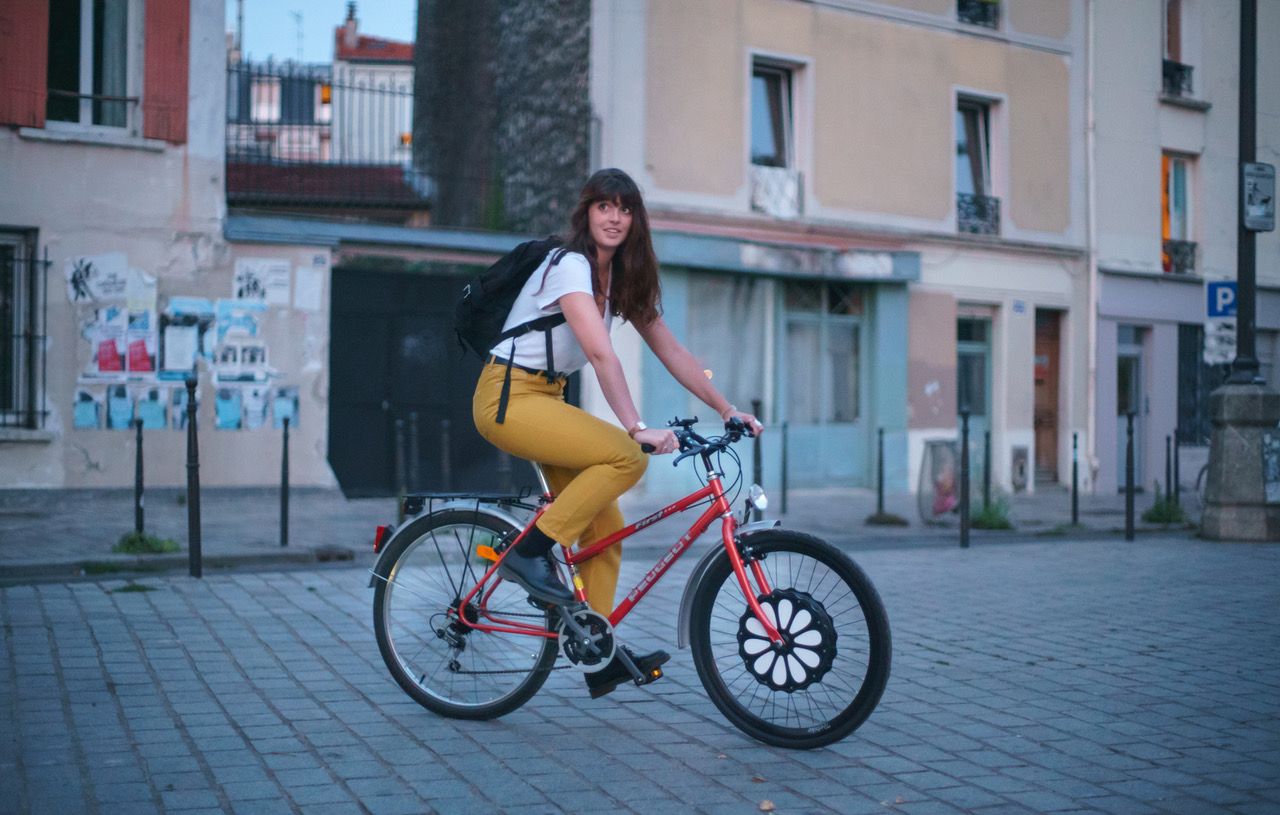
[1053,676]
[68,533]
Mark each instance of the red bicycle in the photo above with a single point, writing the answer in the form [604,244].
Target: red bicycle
[789,636]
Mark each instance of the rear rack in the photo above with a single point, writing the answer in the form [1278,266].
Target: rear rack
[415,502]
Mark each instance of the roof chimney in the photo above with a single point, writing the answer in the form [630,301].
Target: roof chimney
[349,37]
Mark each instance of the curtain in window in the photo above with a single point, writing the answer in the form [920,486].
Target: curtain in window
[726,331]
[110,61]
[972,173]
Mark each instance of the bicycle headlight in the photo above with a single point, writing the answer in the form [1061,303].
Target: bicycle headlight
[757,498]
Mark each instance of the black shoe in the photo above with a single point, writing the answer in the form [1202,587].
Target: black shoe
[615,673]
[536,575]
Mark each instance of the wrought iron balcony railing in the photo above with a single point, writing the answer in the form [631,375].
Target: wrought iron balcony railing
[977,214]
[1179,257]
[1177,79]
[305,136]
[979,12]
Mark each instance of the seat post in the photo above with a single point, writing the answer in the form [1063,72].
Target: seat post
[542,479]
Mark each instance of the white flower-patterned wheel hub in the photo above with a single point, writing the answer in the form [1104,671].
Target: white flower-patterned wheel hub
[808,647]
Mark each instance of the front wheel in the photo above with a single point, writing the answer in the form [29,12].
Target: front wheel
[829,674]
[444,664]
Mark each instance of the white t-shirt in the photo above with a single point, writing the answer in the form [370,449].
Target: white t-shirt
[571,274]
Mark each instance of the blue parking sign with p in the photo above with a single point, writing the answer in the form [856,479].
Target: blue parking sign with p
[1222,298]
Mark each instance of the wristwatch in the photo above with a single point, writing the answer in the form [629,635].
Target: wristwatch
[636,428]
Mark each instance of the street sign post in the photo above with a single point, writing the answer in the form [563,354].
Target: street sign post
[1220,322]
[1258,186]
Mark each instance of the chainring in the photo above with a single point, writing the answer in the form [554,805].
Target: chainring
[809,641]
[601,633]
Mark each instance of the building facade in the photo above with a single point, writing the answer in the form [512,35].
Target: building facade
[1165,97]
[885,203]
[118,280]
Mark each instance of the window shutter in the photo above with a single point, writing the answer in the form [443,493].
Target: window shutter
[164,94]
[24,61]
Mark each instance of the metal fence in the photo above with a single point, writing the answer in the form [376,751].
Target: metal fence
[23,312]
[321,136]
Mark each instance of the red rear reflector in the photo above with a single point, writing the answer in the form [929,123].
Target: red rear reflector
[380,536]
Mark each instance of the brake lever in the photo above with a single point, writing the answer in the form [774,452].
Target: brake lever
[692,451]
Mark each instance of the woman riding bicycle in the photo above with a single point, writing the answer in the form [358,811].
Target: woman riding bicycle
[606,268]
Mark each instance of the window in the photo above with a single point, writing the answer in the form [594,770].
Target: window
[22,304]
[88,63]
[977,211]
[727,332]
[1196,380]
[1178,251]
[771,122]
[822,352]
[973,349]
[775,180]
[979,12]
[1177,74]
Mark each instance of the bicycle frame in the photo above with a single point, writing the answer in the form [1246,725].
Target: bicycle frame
[719,508]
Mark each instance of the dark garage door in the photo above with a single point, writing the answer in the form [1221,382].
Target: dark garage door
[392,355]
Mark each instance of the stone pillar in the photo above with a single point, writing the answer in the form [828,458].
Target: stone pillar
[1244,418]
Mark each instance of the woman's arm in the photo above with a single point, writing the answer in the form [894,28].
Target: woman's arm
[689,372]
[584,319]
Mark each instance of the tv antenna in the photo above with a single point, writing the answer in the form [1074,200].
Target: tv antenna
[297,20]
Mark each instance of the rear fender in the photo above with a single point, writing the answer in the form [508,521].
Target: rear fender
[419,524]
[702,567]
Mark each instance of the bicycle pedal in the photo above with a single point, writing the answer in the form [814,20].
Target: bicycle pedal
[653,676]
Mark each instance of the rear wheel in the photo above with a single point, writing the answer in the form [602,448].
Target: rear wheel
[827,677]
[442,663]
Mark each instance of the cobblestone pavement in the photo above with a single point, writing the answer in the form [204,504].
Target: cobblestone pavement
[1058,676]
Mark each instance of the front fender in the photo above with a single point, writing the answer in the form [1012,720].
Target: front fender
[701,568]
[418,524]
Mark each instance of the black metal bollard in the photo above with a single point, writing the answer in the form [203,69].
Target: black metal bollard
[785,468]
[1075,479]
[138,524]
[1128,478]
[880,472]
[986,470]
[446,461]
[284,486]
[194,558]
[757,466]
[415,472]
[964,479]
[1168,469]
[1177,474]
[401,488]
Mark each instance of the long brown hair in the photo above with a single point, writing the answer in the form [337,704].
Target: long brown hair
[635,294]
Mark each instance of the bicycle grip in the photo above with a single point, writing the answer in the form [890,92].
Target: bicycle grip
[647,448]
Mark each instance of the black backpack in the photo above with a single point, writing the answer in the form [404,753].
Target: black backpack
[486,303]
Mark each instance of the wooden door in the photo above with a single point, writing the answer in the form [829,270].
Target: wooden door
[1046,393]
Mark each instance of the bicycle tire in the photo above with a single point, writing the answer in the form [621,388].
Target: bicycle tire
[434,562]
[860,657]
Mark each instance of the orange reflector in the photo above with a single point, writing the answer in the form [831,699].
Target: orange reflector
[380,536]
[487,553]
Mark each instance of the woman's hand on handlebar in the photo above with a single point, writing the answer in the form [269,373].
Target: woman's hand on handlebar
[662,441]
[753,424]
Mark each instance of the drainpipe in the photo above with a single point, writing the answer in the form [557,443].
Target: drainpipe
[1091,241]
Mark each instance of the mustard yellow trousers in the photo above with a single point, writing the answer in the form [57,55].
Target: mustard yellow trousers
[588,462]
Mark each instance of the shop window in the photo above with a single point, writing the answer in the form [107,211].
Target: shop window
[822,352]
[726,331]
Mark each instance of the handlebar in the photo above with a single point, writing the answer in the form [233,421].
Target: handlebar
[692,444]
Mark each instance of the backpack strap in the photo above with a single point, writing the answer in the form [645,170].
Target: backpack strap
[543,324]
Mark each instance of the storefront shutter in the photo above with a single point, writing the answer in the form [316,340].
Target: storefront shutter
[24,44]
[164,95]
